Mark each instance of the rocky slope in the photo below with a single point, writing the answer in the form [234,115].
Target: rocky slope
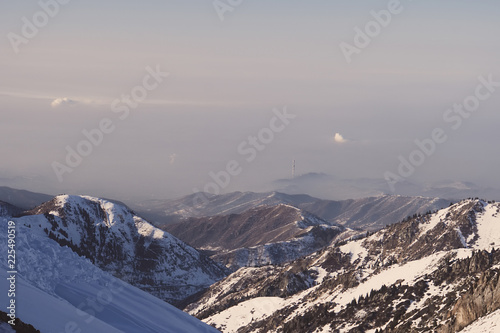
[257,226]
[118,241]
[437,272]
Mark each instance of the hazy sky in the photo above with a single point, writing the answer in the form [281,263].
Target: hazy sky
[225,79]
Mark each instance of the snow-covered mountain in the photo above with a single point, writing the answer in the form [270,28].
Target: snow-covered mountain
[437,272]
[60,291]
[370,213]
[260,236]
[119,242]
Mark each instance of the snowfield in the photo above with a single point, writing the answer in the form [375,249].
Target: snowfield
[488,226]
[245,313]
[59,291]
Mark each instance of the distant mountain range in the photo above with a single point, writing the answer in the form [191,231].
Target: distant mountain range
[367,213]
[280,228]
[21,198]
[333,188]
[6,209]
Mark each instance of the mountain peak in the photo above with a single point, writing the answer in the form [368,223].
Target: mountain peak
[118,241]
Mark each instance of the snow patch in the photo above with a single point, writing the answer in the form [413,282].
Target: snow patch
[245,313]
[434,221]
[488,226]
[356,249]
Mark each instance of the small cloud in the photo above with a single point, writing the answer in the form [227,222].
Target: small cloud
[58,102]
[338,138]
[173,157]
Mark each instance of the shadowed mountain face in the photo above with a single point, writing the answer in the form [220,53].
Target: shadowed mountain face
[262,235]
[368,213]
[257,226]
[21,198]
[7,209]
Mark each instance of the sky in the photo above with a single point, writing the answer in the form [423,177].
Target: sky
[205,77]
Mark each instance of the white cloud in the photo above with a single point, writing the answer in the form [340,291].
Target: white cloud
[173,157]
[339,138]
[63,102]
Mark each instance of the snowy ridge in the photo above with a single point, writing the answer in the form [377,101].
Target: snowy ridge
[414,276]
[230,319]
[55,287]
